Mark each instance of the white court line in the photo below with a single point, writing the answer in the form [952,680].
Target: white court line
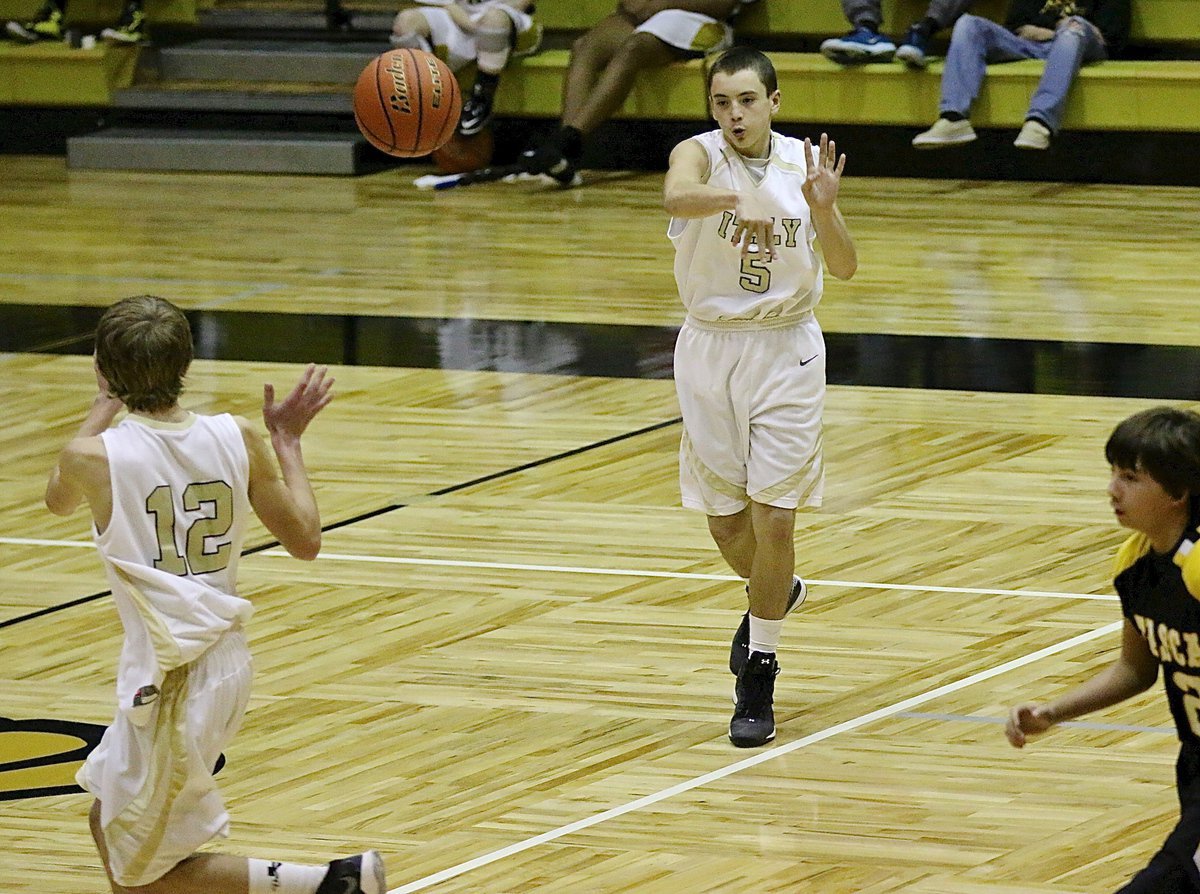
[762,757]
[686,575]
[622,572]
[29,541]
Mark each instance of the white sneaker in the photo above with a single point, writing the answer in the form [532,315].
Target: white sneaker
[1033,135]
[945,133]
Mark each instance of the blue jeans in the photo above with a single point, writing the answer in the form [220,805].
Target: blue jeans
[977,41]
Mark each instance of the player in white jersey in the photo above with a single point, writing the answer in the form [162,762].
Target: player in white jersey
[748,207]
[486,32]
[170,494]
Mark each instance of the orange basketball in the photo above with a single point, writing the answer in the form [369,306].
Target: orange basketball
[407,102]
[461,154]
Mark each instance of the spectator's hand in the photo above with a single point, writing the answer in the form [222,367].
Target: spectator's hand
[1034,33]
[824,176]
[1026,720]
[755,230]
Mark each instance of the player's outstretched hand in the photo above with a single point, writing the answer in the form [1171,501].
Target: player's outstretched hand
[755,229]
[292,415]
[822,178]
[1026,720]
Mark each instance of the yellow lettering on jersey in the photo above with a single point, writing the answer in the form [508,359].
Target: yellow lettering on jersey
[790,226]
[1172,644]
[726,222]
[1192,643]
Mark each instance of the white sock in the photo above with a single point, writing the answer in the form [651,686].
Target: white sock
[273,877]
[764,636]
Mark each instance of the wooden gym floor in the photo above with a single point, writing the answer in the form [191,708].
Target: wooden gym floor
[507,670]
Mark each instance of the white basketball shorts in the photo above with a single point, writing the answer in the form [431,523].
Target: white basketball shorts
[752,401]
[159,802]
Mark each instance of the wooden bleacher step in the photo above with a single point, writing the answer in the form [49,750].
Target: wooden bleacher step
[241,60]
[311,19]
[244,151]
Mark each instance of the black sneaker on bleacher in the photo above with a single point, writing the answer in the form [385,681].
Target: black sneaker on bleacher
[47,26]
[129,28]
[550,161]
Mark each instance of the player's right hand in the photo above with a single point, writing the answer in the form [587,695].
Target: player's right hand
[1026,720]
[755,230]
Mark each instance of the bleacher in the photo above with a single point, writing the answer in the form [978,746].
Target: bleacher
[1156,89]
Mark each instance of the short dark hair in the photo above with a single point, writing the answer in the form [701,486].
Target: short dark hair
[144,349]
[1163,442]
[738,59]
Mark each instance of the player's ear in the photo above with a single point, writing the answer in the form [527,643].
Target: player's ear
[774,97]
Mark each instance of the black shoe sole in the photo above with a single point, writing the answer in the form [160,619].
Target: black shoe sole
[743,742]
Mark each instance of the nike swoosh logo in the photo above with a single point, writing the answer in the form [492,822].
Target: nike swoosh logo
[809,360]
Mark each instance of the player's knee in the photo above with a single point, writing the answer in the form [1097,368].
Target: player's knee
[773,526]
[726,529]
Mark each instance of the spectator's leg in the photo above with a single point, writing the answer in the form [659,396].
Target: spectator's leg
[590,55]
[863,13]
[1077,42]
[944,13]
[493,41]
[975,42]
[637,52]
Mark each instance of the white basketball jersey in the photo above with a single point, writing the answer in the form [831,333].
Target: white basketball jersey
[171,549]
[716,284]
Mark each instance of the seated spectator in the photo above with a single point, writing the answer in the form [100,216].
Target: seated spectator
[1066,33]
[50,24]
[486,32]
[605,62]
[866,44]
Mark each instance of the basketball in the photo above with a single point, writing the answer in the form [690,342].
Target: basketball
[407,103]
[462,154]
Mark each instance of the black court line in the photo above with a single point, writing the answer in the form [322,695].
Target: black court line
[938,362]
[441,492]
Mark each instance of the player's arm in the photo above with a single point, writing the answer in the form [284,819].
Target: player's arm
[280,491]
[83,465]
[822,181]
[686,193]
[1134,671]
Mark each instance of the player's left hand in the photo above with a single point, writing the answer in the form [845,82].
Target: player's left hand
[824,176]
[291,416]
